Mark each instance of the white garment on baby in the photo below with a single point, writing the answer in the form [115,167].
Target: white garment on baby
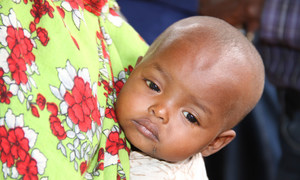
[143,167]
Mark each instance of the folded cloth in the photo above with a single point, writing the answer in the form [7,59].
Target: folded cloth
[144,167]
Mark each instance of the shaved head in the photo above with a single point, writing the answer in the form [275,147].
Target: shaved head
[199,78]
[230,51]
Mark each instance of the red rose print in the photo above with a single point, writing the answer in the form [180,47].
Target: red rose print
[27,168]
[99,35]
[1,74]
[113,12]
[118,86]
[110,113]
[52,107]
[61,11]
[101,154]
[43,35]
[83,167]
[6,156]
[105,53]
[56,127]
[75,3]
[17,68]
[94,6]
[106,86]
[95,111]
[40,101]
[32,27]
[114,143]
[75,42]
[3,134]
[82,105]
[101,166]
[34,110]
[4,94]
[4,143]
[40,8]
[19,143]
[130,68]
[20,45]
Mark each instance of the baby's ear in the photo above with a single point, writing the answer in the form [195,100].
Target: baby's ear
[139,60]
[219,142]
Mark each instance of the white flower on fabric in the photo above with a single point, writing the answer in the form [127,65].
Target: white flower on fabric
[13,121]
[62,148]
[9,20]
[84,74]
[110,159]
[5,170]
[14,88]
[122,75]
[106,132]
[3,35]
[77,14]
[21,96]
[24,86]
[14,172]
[115,20]
[88,176]
[104,72]
[66,5]
[71,70]
[1,121]
[3,59]
[64,109]
[115,129]
[106,36]
[17,1]
[77,17]
[31,135]
[65,78]
[34,68]
[55,91]
[40,159]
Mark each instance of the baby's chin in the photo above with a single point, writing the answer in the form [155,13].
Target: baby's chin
[157,154]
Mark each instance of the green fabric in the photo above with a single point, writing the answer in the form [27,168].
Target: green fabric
[62,64]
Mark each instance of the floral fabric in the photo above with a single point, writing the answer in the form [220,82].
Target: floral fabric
[62,64]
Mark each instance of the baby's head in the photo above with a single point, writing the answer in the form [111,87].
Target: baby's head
[198,79]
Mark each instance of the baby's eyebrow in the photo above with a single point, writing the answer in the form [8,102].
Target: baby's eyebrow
[162,72]
[193,97]
[200,105]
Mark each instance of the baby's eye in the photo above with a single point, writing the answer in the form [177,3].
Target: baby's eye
[190,117]
[152,86]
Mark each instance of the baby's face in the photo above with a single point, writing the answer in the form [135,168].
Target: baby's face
[173,104]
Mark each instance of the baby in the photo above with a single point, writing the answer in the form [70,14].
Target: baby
[198,80]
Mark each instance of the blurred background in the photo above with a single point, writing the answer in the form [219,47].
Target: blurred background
[267,146]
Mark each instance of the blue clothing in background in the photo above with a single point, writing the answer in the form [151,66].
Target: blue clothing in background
[280,49]
[151,17]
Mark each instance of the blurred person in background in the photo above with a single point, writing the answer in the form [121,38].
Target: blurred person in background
[274,25]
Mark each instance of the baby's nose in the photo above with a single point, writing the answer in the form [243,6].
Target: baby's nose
[160,111]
